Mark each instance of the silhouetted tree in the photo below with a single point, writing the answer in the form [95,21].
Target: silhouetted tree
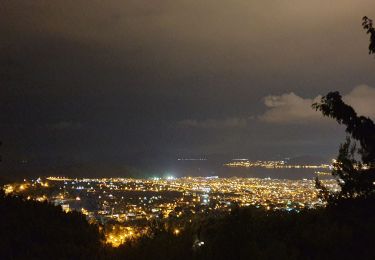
[324,193]
[367,25]
[251,233]
[35,230]
[355,166]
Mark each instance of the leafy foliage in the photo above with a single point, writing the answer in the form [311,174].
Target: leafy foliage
[368,26]
[356,175]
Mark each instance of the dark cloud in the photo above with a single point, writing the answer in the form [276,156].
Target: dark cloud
[65,125]
[214,123]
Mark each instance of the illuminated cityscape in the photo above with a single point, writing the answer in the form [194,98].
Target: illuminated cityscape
[128,207]
[274,164]
[189,130]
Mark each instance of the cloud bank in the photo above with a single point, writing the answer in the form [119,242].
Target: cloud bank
[291,108]
[362,99]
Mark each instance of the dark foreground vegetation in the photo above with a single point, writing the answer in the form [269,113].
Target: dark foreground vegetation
[30,229]
[344,230]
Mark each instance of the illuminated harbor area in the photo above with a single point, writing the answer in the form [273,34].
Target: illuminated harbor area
[245,163]
[128,207]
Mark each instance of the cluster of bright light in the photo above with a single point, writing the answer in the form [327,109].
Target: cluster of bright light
[53,178]
[16,187]
[274,164]
[8,189]
[117,235]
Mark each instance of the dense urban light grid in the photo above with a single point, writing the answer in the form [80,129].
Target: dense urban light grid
[127,207]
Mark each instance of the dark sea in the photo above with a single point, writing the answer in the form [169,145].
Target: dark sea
[253,172]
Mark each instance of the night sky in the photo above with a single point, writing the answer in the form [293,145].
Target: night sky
[137,82]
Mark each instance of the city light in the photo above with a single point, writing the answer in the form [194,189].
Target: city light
[274,164]
[135,203]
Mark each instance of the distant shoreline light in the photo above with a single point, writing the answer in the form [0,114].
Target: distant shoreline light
[192,159]
[245,163]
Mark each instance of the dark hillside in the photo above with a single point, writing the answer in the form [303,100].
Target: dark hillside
[30,229]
